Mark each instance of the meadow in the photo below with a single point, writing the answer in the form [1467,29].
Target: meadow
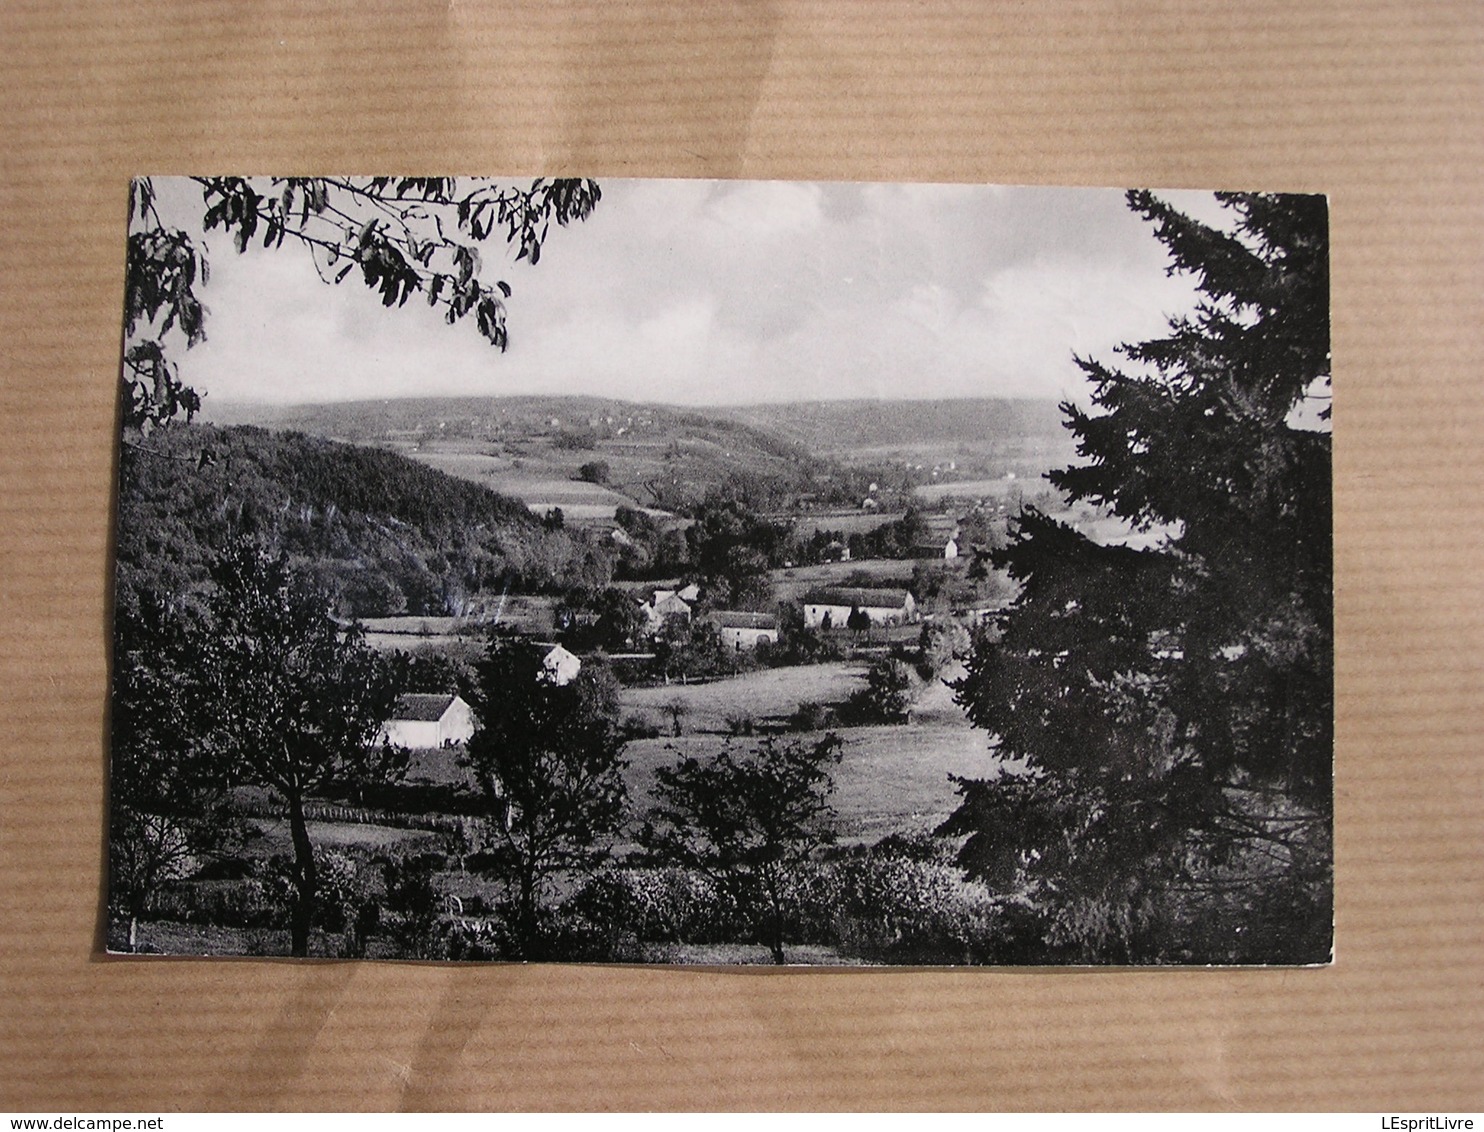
[766,697]
[792,582]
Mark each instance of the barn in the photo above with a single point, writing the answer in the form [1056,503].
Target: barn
[424,720]
[834,606]
[745,630]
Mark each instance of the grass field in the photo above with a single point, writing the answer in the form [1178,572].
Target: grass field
[1113,531]
[891,778]
[341,835]
[847,522]
[978,489]
[532,614]
[541,482]
[770,695]
[792,582]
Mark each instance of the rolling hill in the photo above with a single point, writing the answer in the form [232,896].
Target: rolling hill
[383,534]
[667,457]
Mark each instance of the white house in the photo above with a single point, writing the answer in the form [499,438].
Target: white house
[559,666]
[745,630]
[422,720]
[884,607]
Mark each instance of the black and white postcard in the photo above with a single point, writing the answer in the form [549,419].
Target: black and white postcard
[705,572]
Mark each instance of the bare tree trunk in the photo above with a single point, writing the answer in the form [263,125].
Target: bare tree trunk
[776,925]
[305,878]
[526,913]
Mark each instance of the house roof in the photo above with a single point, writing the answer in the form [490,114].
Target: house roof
[855,598]
[735,619]
[423,706]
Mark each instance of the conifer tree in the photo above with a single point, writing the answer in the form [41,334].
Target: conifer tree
[1172,707]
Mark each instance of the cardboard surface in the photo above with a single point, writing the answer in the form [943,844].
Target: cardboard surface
[1380,105]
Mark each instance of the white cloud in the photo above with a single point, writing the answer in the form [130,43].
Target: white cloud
[696,291]
[751,209]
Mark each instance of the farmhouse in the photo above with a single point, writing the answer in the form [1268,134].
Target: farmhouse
[745,630]
[946,549]
[664,605]
[669,603]
[940,539]
[884,607]
[421,720]
[559,666]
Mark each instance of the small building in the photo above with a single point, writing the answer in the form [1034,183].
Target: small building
[883,606]
[741,630]
[669,603]
[559,666]
[946,549]
[424,720]
[689,593]
[664,605]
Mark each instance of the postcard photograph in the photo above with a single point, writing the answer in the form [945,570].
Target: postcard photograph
[708,572]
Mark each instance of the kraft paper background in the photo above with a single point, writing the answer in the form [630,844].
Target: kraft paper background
[1381,105]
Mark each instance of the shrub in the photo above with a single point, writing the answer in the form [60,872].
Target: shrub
[245,903]
[941,643]
[741,723]
[412,904]
[887,696]
[639,726]
[812,716]
[660,905]
[904,909]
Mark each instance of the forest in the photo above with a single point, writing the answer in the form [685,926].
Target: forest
[385,534]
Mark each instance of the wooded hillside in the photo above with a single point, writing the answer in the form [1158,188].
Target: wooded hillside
[384,534]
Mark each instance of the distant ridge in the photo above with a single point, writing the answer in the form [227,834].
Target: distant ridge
[825,426]
[820,426]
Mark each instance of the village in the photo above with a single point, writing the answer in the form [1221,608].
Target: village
[704,592]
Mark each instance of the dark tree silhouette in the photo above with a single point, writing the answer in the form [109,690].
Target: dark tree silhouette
[167,800]
[748,822]
[402,236]
[549,759]
[1173,706]
[295,700]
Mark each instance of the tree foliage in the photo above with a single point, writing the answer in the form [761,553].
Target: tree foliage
[383,533]
[401,236]
[733,547]
[549,760]
[167,808]
[888,694]
[748,821]
[294,701]
[1173,706]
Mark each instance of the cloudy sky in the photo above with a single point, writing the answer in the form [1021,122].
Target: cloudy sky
[696,292]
